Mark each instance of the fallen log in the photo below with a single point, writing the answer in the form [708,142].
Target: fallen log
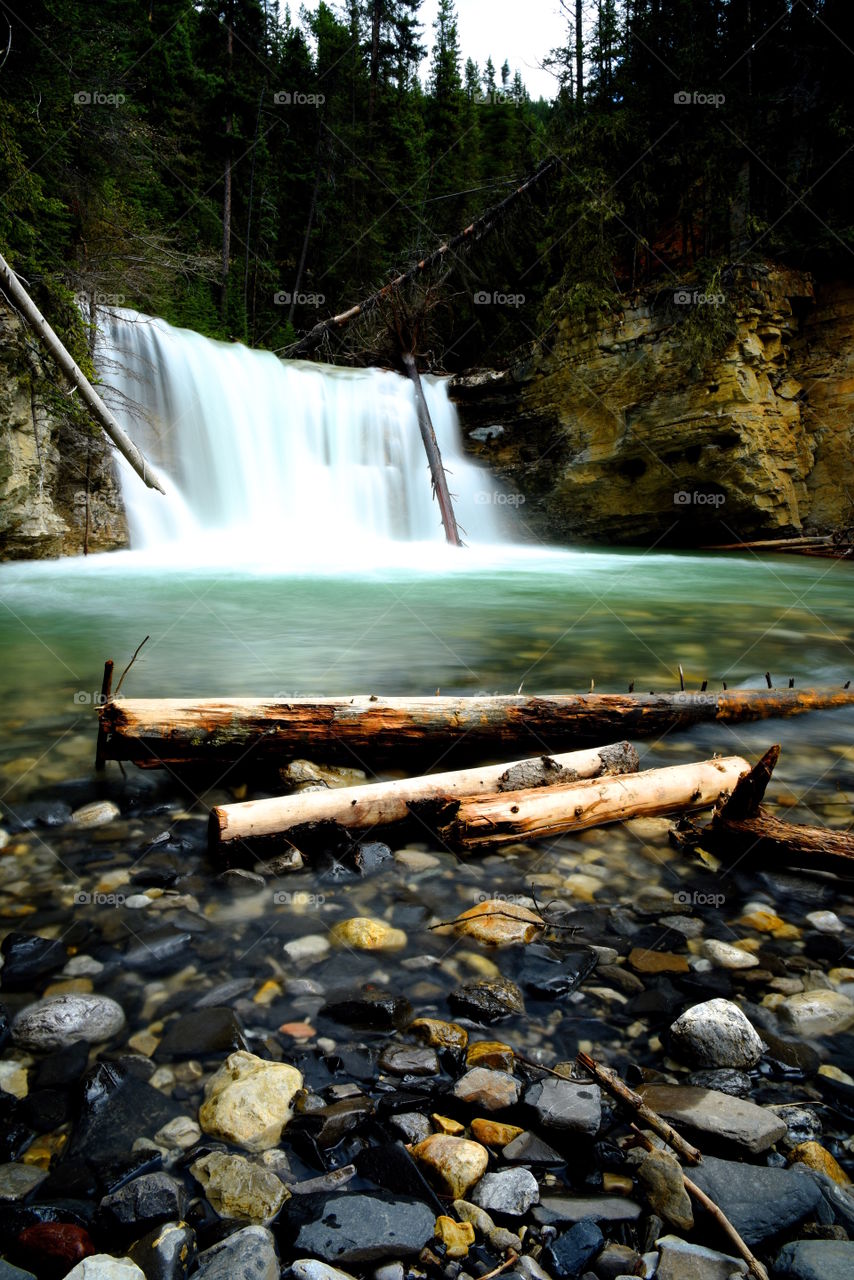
[741,829]
[171,731]
[553,811]
[383,803]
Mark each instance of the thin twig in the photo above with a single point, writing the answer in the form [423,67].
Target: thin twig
[129,665]
[612,1082]
[726,1226]
[508,1262]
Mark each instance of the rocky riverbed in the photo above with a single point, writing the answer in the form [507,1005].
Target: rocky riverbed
[312,1070]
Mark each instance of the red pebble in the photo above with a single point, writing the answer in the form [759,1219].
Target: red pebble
[55,1246]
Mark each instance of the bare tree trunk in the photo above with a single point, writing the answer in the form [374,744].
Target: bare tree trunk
[166,731]
[312,208]
[579,53]
[434,457]
[19,297]
[383,803]
[226,195]
[376,15]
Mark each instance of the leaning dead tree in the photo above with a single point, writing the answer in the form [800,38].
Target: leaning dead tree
[22,301]
[475,231]
[151,732]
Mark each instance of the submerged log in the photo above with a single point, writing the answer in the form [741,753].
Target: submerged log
[741,829]
[171,731]
[553,811]
[382,803]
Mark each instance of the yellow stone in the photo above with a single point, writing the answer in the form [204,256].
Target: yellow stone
[787,933]
[835,1073]
[816,1157]
[490,1053]
[456,1164]
[267,992]
[46,1146]
[493,1133]
[439,1034]
[445,1124]
[617,1184]
[582,886]
[479,964]
[457,1237]
[70,986]
[499,923]
[144,1042]
[17,910]
[367,934]
[249,1100]
[762,921]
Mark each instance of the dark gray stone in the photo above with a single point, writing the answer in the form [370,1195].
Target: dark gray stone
[569,1255]
[759,1202]
[816,1260]
[27,958]
[553,1210]
[249,1254]
[201,1032]
[566,1105]
[8,1272]
[410,1060]
[529,1149]
[154,1197]
[166,1253]
[723,1080]
[489,1000]
[361,1228]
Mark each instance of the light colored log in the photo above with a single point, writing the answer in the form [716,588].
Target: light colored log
[552,811]
[382,803]
[170,731]
[18,295]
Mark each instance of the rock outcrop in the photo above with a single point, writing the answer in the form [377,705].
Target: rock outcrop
[610,434]
[45,458]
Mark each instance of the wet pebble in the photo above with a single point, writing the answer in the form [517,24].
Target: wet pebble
[510,1192]
[58,1021]
[715,1033]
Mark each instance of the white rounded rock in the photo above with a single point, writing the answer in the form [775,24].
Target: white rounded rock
[817,1013]
[716,1034]
[825,921]
[103,1266]
[96,814]
[57,1021]
[726,956]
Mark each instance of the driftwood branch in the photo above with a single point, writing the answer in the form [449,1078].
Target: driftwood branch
[383,803]
[434,458]
[742,829]
[469,235]
[18,295]
[156,731]
[553,811]
[610,1081]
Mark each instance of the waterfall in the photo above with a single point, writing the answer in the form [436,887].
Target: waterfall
[278,460]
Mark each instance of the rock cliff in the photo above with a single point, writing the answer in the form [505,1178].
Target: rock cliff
[614,434]
[46,455]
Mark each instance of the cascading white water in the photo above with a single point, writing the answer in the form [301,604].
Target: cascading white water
[278,460]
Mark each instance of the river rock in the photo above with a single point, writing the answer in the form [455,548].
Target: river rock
[816,1013]
[53,1248]
[61,1020]
[18,1180]
[816,1157]
[723,1079]
[566,1105]
[409,1060]
[166,1252]
[359,1228]
[618,1260]
[152,1198]
[311,946]
[200,1032]
[527,1148]
[366,934]
[719,1114]
[249,1254]
[660,1174]
[103,1266]
[237,1188]
[457,1237]
[499,923]
[760,1202]
[311,1269]
[725,956]
[816,1260]
[455,1163]
[27,958]
[679,1260]
[249,1101]
[560,1209]
[376,1010]
[179,1134]
[715,1034]
[510,1191]
[96,814]
[489,1000]
[489,1090]
[490,1053]
[439,1034]
[8,1272]
[569,1255]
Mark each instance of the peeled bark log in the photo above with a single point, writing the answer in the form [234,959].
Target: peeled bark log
[434,458]
[166,731]
[553,811]
[19,297]
[382,803]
